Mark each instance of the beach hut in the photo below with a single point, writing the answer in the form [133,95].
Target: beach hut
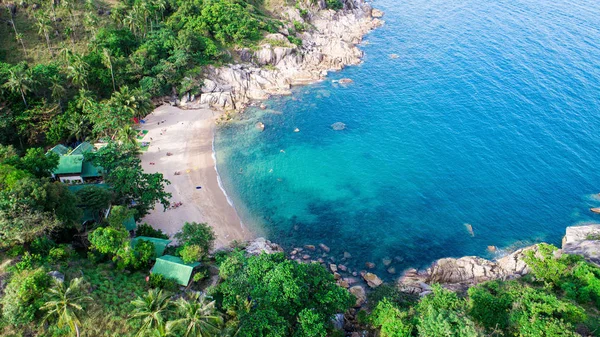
[159,244]
[173,267]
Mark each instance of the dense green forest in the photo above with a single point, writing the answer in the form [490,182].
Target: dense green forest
[73,71]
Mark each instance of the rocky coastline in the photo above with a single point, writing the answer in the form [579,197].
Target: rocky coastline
[329,42]
[456,274]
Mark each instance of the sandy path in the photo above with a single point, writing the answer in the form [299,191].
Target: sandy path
[189,137]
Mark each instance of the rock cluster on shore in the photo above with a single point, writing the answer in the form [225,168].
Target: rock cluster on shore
[330,44]
[459,274]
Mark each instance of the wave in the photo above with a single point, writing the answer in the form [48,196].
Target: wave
[220,182]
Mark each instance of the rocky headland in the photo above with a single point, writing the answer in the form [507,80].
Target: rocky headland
[329,42]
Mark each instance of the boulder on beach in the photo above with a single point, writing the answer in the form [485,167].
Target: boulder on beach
[262,245]
[338,126]
[360,294]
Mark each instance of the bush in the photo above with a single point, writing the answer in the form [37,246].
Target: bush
[444,314]
[42,245]
[23,296]
[191,253]
[198,234]
[59,253]
[159,281]
[28,261]
[390,320]
[147,230]
[334,4]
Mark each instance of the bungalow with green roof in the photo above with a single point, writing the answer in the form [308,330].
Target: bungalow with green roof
[72,166]
[173,267]
[159,244]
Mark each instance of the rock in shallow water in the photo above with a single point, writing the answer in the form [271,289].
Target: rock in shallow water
[338,126]
[372,280]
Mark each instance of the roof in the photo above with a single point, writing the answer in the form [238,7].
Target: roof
[82,148]
[159,244]
[75,188]
[59,149]
[69,164]
[173,267]
[130,225]
[88,170]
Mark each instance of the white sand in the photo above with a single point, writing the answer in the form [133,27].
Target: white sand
[189,137]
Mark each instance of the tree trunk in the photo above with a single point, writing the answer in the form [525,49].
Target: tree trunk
[12,21]
[48,43]
[77,329]
[24,100]
[113,78]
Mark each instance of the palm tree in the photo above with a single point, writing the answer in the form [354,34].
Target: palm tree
[57,91]
[198,317]
[84,100]
[65,303]
[152,309]
[107,61]
[44,27]
[128,135]
[18,36]
[19,81]
[77,71]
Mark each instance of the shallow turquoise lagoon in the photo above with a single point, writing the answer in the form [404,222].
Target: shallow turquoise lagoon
[489,117]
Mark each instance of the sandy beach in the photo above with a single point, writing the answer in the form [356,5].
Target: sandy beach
[188,136]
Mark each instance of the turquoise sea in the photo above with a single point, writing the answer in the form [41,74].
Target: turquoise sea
[490,116]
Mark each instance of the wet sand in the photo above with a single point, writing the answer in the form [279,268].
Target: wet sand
[188,135]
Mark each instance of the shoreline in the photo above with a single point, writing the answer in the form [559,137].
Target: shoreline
[333,45]
[189,136]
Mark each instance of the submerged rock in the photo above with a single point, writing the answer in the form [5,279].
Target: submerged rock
[260,126]
[324,247]
[370,265]
[338,126]
[345,81]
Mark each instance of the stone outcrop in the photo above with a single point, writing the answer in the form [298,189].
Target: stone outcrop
[460,273]
[262,245]
[583,240]
[329,44]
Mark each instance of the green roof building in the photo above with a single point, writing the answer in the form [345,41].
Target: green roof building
[59,149]
[159,244]
[72,166]
[173,267]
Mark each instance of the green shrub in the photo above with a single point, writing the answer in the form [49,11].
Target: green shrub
[28,261]
[23,296]
[390,320]
[334,4]
[147,230]
[159,281]
[42,245]
[444,314]
[197,234]
[191,253]
[59,253]
[295,40]
[489,305]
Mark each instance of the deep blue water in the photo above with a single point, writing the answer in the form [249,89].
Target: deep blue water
[490,116]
